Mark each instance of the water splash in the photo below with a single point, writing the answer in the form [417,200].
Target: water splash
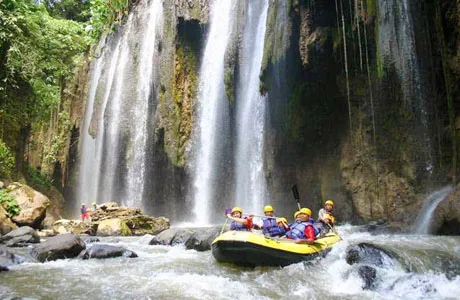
[211,97]
[251,189]
[423,222]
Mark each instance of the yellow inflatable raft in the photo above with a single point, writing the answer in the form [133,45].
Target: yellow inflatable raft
[254,249]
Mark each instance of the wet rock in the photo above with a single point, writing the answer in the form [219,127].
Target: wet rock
[58,247]
[46,233]
[6,225]
[113,227]
[365,253]
[446,217]
[135,221]
[72,226]
[106,251]
[22,235]
[32,203]
[201,239]
[54,211]
[22,241]
[8,259]
[91,240]
[172,236]
[368,274]
[3,269]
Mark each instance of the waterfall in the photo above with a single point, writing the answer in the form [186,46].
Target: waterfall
[251,189]
[396,46]
[86,190]
[136,170]
[112,164]
[211,98]
[423,222]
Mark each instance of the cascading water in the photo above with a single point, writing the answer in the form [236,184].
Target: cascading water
[211,99]
[396,45]
[423,222]
[87,190]
[136,160]
[251,189]
[112,165]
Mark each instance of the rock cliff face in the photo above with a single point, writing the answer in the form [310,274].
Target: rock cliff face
[351,116]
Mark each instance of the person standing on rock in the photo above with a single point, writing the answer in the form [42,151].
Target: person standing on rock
[94,204]
[84,212]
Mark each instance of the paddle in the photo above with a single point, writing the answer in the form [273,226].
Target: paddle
[295,193]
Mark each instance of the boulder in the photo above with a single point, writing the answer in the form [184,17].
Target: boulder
[20,236]
[8,259]
[32,203]
[3,269]
[46,233]
[54,211]
[6,225]
[368,274]
[22,241]
[113,227]
[446,217]
[365,253]
[106,251]
[201,240]
[141,225]
[58,247]
[72,226]
[135,221]
[172,236]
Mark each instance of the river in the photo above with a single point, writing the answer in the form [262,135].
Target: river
[164,272]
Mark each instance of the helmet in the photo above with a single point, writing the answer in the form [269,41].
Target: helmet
[268,208]
[305,211]
[236,208]
[281,220]
[296,213]
[94,203]
[330,217]
[83,204]
[329,202]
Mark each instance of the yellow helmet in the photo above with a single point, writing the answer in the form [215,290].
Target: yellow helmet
[268,208]
[236,208]
[330,217]
[305,211]
[296,213]
[281,220]
[329,202]
[94,203]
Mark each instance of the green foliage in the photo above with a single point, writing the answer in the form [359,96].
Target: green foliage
[76,10]
[38,53]
[106,14]
[9,203]
[38,180]
[6,160]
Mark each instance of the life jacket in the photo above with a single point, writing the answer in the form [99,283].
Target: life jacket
[298,230]
[238,226]
[271,226]
[83,210]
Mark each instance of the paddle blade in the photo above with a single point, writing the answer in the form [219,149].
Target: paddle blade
[295,192]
